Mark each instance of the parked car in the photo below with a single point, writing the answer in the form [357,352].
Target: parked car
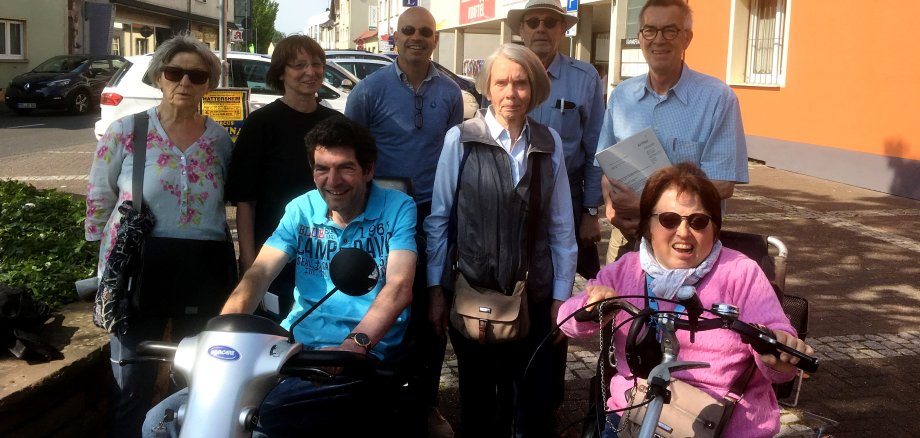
[370,62]
[129,91]
[72,82]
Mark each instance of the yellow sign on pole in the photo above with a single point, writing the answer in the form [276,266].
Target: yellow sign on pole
[227,106]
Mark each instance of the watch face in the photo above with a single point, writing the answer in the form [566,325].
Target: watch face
[362,339]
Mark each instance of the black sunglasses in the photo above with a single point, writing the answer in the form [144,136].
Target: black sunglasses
[175,74]
[548,23]
[410,30]
[418,111]
[671,220]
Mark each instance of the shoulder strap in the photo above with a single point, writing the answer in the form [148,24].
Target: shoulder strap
[141,120]
[735,391]
[452,222]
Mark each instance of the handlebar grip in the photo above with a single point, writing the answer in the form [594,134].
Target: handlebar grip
[583,315]
[764,342]
[157,349]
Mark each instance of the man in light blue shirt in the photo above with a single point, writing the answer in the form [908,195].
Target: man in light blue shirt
[575,109]
[696,117]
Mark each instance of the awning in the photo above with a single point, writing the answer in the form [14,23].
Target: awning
[366,35]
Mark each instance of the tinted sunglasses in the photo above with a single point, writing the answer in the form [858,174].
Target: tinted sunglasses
[548,23]
[175,74]
[410,30]
[671,220]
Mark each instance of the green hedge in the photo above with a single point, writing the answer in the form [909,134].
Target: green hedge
[42,248]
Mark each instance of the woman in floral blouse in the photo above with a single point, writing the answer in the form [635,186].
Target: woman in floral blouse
[184,172]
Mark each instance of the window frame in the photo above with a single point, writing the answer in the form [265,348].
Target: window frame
[5,51]
[741,50]
[759,30]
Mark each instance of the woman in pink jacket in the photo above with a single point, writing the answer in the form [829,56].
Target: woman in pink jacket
[680,221]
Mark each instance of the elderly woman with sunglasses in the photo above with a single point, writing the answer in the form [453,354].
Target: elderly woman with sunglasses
[681,218]
[184,171]
[504,176]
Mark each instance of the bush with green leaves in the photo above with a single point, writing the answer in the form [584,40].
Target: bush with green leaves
[42,248]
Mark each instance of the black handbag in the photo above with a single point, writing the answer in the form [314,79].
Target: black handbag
[174,276]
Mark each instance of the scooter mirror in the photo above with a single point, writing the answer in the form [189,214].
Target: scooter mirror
[353,271]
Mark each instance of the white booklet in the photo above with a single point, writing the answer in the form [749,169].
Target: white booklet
[634,159]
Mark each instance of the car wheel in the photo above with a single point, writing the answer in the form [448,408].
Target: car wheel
[23,111]
[80,102]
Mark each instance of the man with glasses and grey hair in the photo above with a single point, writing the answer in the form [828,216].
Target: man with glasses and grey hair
[575,109]
[696,117]
[408,108]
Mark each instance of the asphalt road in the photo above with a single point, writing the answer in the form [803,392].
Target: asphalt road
[43,131]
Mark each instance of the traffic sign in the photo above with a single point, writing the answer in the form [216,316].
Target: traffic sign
[571,5]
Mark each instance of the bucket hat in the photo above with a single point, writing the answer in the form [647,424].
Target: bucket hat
[515,15]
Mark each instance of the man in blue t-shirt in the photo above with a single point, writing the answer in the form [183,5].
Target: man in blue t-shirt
[347,209]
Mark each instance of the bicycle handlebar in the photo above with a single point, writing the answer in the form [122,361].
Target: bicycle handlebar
[763,341]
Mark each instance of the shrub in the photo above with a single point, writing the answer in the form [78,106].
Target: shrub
[42,248]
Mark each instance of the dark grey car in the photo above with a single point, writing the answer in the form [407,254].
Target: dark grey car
[71,82]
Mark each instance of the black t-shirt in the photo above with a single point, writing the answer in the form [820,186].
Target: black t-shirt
[269,165]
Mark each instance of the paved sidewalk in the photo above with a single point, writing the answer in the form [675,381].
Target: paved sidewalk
[852,254]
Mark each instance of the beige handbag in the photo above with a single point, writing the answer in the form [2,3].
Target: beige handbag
[488,316]
[691,412]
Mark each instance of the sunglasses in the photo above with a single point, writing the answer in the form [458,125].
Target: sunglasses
[410,30]
[548,23]
[175,74]
[671,220]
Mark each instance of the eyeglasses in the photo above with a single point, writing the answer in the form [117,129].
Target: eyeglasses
[410,30]
[671,220]
[668,33]
[418,111]
[175,74]
[548,23]
[300,66]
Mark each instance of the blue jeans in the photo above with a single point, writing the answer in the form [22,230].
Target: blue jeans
[132,390]
[295,408]
[612,419]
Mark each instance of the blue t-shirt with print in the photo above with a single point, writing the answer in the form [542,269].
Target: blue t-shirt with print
[310,239]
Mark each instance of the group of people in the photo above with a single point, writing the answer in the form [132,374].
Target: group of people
[302,178]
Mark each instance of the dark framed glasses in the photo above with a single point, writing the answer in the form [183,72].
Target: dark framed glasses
[548,23]
[668,33]
[408,30]
[418,111]
[671,220]
[175,74]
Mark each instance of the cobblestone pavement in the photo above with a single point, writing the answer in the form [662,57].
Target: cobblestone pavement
[853,256]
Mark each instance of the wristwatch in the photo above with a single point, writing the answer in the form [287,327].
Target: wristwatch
[592,211]
[362,340]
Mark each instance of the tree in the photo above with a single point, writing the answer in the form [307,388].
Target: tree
[278,37]
[263,20]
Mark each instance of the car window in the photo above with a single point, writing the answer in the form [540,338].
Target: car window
[360,69]
[333,77]
[326,93]
[100,67]
[117,63]
[251,74]
[116,78]
[60,64]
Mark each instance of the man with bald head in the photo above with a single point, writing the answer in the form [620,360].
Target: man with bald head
[408,108]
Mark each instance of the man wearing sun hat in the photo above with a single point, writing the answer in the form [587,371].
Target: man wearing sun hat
[575,109]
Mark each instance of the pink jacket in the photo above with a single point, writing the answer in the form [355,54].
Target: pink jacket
[735,279]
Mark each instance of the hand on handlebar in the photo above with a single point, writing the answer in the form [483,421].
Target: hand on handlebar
[786,362]
[599,293]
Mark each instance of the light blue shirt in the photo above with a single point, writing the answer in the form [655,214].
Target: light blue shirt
[386,104]
[575,109]
[562,245]
[310,239]
[698,120]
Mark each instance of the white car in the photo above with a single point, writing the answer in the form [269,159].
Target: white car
[129,92]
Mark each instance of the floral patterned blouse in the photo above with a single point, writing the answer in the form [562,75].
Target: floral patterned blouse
[184,190]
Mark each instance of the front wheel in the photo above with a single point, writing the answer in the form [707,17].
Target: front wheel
[80,103]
